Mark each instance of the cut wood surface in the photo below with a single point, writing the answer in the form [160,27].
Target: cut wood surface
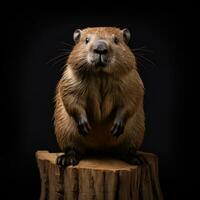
[98,179]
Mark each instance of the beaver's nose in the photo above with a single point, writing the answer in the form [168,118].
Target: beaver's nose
[100,47]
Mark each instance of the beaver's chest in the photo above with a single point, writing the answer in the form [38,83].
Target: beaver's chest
[101,100]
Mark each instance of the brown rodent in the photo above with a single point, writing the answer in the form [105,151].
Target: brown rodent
[99,99]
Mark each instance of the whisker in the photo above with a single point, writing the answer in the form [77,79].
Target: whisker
[57,57]
[139,63]
[65,50]
[66,44]
[143,49]
[148,60]
[60,60]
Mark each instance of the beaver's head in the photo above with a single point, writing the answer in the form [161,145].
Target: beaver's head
[102,49]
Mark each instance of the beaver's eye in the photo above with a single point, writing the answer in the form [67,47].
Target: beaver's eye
[87,40]
[116,40]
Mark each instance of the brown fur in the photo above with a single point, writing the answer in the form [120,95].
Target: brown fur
[117,90]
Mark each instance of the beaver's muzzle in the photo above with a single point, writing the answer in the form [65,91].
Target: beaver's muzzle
[100,50]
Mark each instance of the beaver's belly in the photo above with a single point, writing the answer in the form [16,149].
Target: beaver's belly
[100,137]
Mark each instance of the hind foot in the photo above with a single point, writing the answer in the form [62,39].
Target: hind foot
[133,158]
[71,157]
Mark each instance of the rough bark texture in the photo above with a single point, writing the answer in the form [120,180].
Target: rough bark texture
[98,179]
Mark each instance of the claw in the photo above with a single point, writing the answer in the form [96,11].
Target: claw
[117,129]
[83,126]
[61,160]
[71,158]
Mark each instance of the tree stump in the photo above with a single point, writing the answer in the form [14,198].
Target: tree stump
[98,179]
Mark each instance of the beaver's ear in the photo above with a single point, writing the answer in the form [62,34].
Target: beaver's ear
[77,35]
[126,35]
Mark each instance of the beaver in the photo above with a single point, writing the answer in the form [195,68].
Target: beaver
[99,99]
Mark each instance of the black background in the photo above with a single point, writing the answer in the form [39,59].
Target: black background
[30,37]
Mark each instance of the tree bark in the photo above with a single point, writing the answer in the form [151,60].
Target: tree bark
[98,179]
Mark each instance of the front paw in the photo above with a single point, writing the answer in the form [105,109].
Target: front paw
[118,128]
[83,126]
